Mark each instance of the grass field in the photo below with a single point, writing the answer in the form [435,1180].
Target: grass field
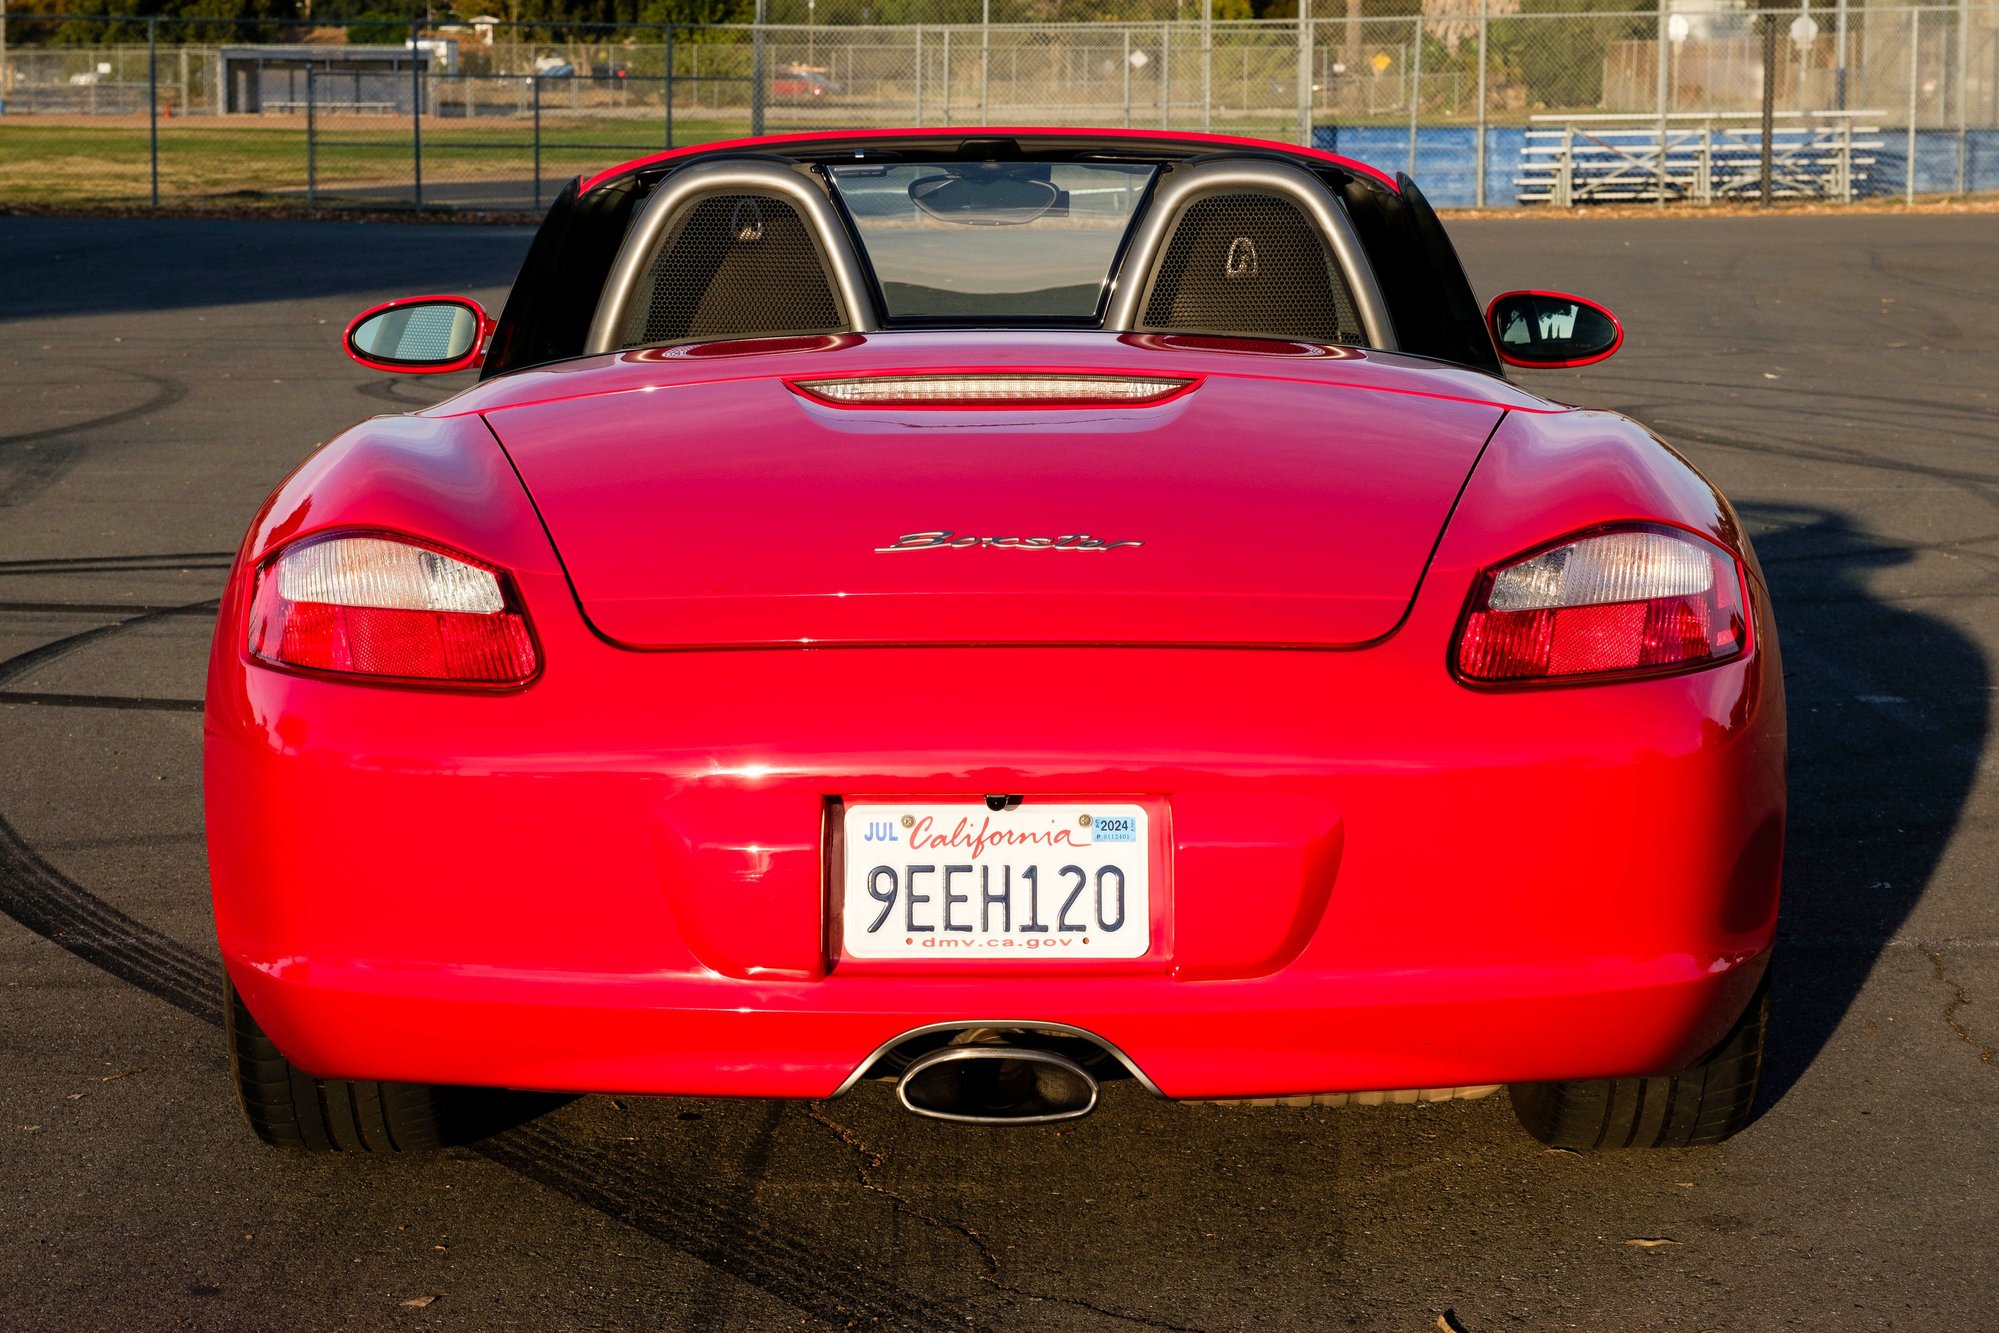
[485,163]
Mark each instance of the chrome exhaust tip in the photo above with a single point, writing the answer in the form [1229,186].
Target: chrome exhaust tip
[997,1085]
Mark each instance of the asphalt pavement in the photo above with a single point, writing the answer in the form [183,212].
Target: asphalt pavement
[1837,376]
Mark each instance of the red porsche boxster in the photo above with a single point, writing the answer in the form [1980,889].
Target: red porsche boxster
[997,611]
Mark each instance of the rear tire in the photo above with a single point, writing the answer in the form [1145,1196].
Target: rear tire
[289,1108]
[1704,1104]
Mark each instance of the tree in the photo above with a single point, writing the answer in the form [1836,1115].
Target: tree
[1559,61]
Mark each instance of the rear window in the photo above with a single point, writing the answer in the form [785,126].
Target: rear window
[994,240]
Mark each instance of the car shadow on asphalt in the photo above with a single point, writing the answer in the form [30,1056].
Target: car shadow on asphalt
[1889,710]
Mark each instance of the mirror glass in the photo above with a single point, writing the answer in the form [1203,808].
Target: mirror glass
[990,198]
[419,333]
[1550,329]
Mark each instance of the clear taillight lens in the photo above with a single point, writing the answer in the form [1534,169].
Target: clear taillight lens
[393,608]
[1634,601]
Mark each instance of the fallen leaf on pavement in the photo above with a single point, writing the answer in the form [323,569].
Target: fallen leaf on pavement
[1651,1242]
[418,1302]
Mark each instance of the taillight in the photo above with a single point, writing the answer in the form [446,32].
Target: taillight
[392,608]
[1632,601]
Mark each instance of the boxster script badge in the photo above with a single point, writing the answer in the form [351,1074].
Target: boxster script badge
[945,539]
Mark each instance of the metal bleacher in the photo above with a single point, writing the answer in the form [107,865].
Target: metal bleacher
[1694,156]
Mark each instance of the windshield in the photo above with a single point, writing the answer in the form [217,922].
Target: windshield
[1005,240]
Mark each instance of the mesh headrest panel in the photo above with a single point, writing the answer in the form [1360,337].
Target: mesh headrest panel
[1251,265]
[734,266]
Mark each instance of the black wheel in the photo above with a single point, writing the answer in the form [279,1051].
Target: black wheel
[289,1108]
[1704,1104]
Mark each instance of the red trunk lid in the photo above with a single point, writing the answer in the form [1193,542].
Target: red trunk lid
[728,509]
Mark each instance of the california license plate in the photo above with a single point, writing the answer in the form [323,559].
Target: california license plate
[965,881]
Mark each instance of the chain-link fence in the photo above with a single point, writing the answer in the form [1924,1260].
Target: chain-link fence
[1485,102]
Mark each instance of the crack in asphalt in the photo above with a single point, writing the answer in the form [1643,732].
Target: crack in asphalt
[1987,1055]
[872,1159]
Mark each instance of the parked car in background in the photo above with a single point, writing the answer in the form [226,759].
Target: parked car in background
[801,83]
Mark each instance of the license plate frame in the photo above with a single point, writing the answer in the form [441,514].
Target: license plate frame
[1113,915]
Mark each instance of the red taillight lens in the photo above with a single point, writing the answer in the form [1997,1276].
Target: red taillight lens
[1633,601]
[392,608]
[994,390]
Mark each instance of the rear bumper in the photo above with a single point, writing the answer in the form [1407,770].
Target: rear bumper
[1377,879]
[715,1037]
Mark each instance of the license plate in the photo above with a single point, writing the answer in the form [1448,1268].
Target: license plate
[965,881]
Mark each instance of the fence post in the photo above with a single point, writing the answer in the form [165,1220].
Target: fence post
[1127,78]
[667,89]
[1845,176]
[757,70]
[1207,65]
[535,80]
[311,139]
[416,116]
[153,101]
[1415,85]
[1305,73]
[919,74]
[986,60]
[1165,76]
[1664,43]
[1915,73]
[1768,19]
[1478,169]
[1963,103]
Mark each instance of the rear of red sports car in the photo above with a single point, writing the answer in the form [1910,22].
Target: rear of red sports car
[999,710]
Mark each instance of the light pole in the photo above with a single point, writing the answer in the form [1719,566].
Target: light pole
[1839,57]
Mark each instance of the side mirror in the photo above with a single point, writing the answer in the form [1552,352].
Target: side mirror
[1551,330]
[420,335]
